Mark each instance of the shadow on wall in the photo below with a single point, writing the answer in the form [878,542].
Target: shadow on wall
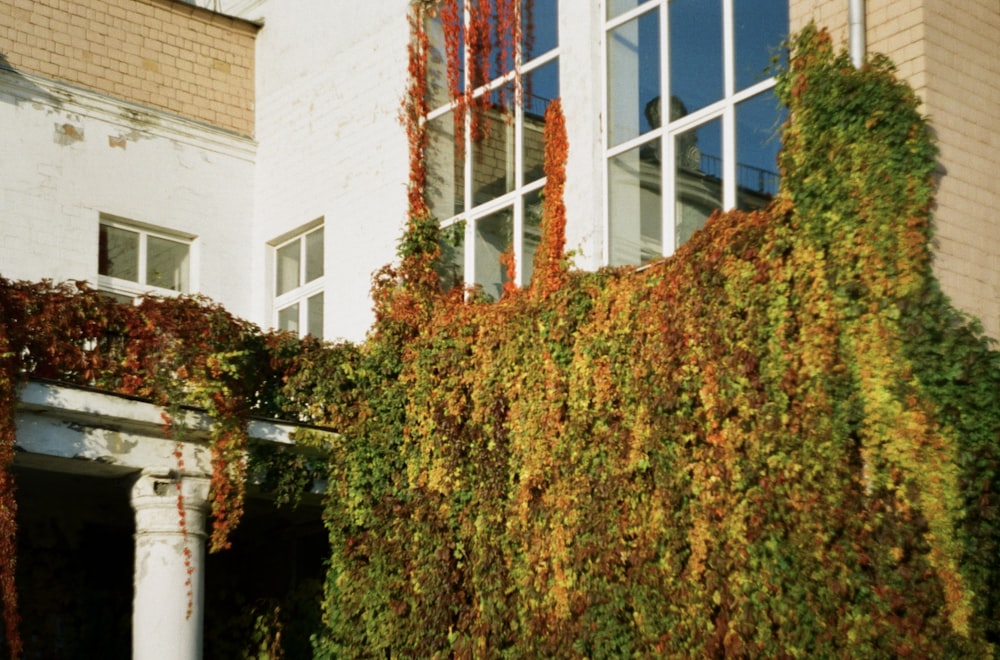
[23,88]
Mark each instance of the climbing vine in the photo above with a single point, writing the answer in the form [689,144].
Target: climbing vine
[782,441]
[779,442]
[173,352]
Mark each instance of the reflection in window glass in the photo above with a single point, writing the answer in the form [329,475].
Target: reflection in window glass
[760,27]
[314,255]
[118,253]
[451,263]
[445,188]
[698,178]
[314,322]
[616,7]
[493,155]
[539,28]
[497,151]
[532,234]
[287,268]
[757,142]
[696,52]
[166,264]
[501,60]
[493,237]
[636,205]
[540,87]
[633,76]
[437,63]
[288,318]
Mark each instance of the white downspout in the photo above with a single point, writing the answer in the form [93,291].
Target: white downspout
[856,23]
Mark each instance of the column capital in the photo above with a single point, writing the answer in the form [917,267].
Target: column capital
[159,496]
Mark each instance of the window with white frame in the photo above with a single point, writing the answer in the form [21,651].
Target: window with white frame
[134,258]
[484,184]
[692,119]
[298,282]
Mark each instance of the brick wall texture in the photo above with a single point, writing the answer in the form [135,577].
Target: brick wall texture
[160,53]
[948,51]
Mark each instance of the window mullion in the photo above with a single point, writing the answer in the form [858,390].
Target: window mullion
[729,114]
[518,220]
[668,170]
[143,245]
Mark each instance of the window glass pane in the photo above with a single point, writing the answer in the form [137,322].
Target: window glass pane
[118,253]
[451,263]
[633,76]
[445,169]
[539,28]
[636,205]
[540,87]
[166,264]
[493,152]
[288,266]
[532,234]
[759,28]
[496,59]
[616,7]
[757,142]
[695,52]
[437,63]
[698,182]
[493,237]
[314,323]
[288,318]
[314,255]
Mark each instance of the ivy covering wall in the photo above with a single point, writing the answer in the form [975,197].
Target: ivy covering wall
[782,441]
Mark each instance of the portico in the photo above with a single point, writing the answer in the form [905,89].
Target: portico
[88,437]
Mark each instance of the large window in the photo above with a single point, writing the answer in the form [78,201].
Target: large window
[298,281]
[485,174]
[134,259]
[692,119]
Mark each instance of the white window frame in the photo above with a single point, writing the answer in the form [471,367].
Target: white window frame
[724,109]
[515,198]
[129,289]
[301,294]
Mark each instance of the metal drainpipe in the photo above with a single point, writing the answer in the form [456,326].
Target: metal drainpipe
[856,22]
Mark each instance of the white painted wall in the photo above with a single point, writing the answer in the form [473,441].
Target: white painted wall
[124,160]
[581,44]
[330,79]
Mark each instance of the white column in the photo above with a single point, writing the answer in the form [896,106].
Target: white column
[169,575]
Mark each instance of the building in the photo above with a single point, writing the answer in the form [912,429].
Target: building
[251,150]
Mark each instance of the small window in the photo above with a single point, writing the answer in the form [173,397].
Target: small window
[134,259]
[298,283]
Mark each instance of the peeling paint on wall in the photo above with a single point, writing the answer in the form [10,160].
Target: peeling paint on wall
[68,134]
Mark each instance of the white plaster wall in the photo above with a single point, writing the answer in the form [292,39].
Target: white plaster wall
[124,160]
[330,79]
[581,43]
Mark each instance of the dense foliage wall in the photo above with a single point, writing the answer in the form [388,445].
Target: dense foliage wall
[779,442]
[174,352]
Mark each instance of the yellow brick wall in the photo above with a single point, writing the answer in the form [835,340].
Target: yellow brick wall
[948,51]
[831,14]
[161,53]
[962,96]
